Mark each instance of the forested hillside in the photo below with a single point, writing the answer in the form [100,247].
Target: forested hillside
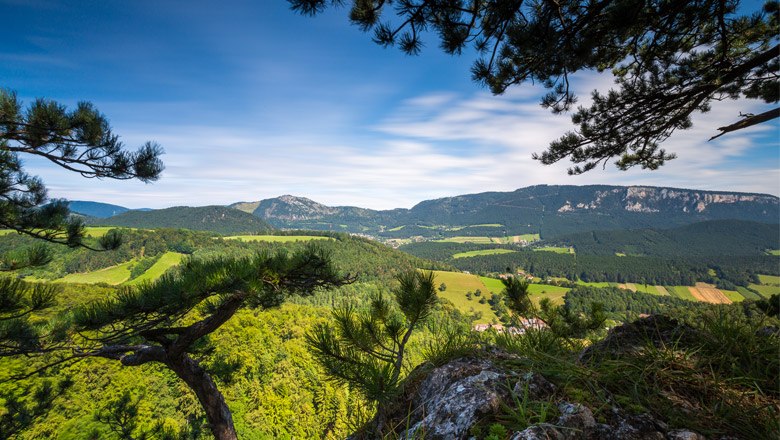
[717,237]
[731,269]
[95,209]
[217,219]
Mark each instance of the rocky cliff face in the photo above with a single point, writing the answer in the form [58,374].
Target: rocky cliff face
[293,208]
[652,199]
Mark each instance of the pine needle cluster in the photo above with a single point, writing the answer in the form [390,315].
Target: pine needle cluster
[365,348]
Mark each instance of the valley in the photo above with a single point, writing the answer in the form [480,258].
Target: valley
[689,270]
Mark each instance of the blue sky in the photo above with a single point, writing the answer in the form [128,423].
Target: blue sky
[252,101]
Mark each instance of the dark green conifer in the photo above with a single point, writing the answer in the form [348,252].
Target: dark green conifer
[670,60]
[365,348]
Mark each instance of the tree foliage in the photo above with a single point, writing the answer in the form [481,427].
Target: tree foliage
[163,322]
[670,59]
[563,321]
[78,140]
[18,300]
[365,348]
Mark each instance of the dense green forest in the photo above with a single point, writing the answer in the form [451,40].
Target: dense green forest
[218,219]
[717,237]
[724,270]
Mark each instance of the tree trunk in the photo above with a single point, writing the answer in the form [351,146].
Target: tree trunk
[217,412]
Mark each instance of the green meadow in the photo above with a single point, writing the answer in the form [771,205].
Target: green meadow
[733,295]
[482,252]
[599,284]
[277,238]
[491,240]
[458,284]
[111,275]
[747,294]
[556,249]
[769,280]
[765,291]
[166,261]
[477,240]
[494,285]
[681,292]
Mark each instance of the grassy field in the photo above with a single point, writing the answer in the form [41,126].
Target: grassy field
[494,285]
[765,291]
[681,292]
[748,294]
[634,287]
[599,284]
[733,295]
[477,240]
[555,293]
[166,261]
[111,275]
[277,238]
[457,286]
[559,250]
[770,285]
[492,240]
[538,291]
[769,280]
[97,231]
[482,252]
[90,231]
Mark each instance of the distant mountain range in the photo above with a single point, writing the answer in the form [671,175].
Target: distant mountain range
[549,210]
[95,209]
[219,219]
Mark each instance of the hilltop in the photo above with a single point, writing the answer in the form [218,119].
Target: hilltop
[218,219]
[96,209]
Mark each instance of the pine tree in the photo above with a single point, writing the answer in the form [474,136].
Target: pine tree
[164,321]
[366,348]
[77,140]
[671,59]
[81,141]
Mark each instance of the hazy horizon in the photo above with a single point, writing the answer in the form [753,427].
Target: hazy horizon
[135,208]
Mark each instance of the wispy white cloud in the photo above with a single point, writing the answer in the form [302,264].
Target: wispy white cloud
[430,146]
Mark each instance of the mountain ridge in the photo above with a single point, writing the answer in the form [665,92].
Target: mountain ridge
[214,218]
[550,210]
